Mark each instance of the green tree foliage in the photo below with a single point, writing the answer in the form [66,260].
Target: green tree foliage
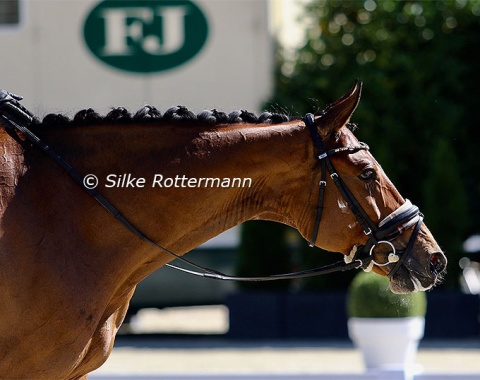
[420,67]
[445,197]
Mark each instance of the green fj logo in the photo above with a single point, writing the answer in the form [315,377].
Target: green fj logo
[145,36]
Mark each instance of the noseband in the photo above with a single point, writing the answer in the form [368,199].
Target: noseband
[17,120]
[388,229]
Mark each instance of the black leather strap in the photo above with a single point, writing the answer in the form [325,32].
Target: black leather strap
[408,248]
[368,226]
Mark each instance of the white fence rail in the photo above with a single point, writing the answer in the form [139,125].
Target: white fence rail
[370,375]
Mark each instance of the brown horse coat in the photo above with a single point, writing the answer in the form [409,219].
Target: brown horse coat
[68,269]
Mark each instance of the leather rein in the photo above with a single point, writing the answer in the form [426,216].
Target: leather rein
[17,118]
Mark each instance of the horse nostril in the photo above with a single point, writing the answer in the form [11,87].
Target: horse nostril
[437,264]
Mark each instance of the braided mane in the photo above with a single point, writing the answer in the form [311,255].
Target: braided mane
[177,114]
[148,113]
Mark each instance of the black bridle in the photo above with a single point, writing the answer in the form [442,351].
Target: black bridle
[389,228]
[17,118]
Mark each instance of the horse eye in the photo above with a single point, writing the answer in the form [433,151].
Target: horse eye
[368,175]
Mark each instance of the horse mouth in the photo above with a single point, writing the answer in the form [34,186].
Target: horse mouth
[415,276]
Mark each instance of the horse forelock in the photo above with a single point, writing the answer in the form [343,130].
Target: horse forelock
[148,113]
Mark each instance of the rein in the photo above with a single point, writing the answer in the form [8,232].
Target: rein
[17,118]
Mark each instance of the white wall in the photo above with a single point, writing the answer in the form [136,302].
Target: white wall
[46,60]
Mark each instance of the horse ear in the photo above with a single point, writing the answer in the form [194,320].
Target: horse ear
[337,114]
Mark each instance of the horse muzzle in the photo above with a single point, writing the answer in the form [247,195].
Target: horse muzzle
[418,265]
[417,276]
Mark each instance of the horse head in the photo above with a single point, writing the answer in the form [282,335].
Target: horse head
[362,214]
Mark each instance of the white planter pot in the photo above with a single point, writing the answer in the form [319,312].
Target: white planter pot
[387,342]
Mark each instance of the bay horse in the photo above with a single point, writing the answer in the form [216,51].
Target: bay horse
[68,268]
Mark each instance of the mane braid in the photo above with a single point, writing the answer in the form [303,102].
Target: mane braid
[148,113]
[118,115]
[87,116]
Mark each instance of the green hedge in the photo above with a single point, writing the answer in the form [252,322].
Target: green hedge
[369,296]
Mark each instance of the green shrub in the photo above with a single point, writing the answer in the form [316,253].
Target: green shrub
[370,297]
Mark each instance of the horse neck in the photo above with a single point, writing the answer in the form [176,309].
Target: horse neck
[267,157]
